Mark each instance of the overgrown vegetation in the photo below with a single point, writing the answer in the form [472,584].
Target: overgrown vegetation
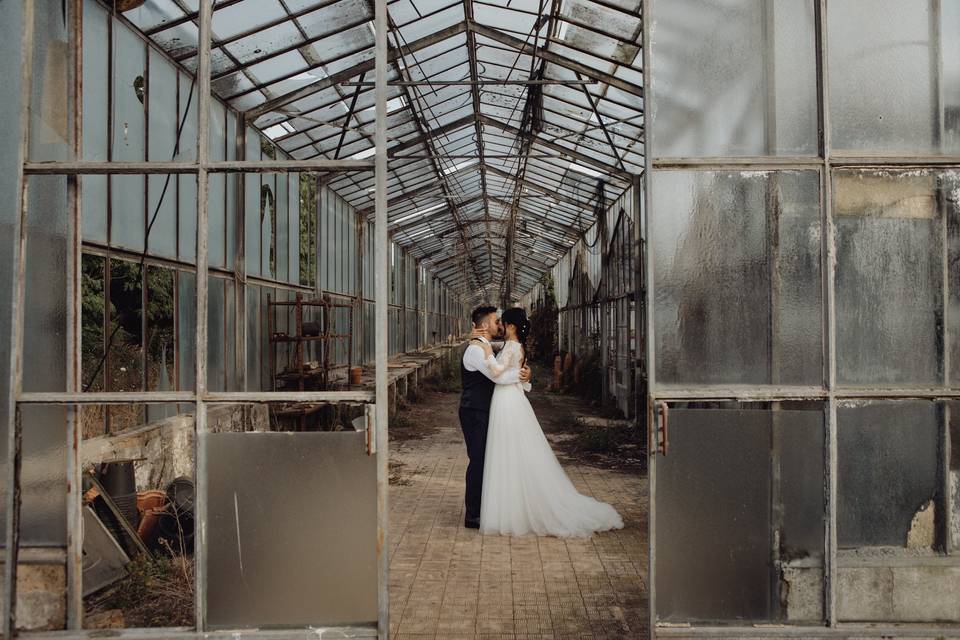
[447,378]
[153,594]
[542,341]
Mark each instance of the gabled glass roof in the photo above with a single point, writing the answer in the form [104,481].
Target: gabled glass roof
[502,114]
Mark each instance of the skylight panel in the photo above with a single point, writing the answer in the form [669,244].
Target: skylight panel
[587,171]
[366,153]
[460,165]
[278,130]
[417,214]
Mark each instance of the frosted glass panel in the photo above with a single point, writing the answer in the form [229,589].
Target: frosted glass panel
[733,77]
[894,69]
[719,516]
[43,476]
[127,217]
[889,276]
[187,329]
[128,84]
[45,290]
[215,335]
[187,196]
[888,456]
[323,570]
[737,271]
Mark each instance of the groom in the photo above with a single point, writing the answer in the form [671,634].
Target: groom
[478,386]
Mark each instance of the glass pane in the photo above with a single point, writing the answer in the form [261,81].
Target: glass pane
[43,477]
[953,409]
[739,533]
[128,86]
[894,83]
[187,329]
[215,334]
[891,505]
[45,289]
[321,571]
[737,271]
[889,275]
[124,366]
[757,97]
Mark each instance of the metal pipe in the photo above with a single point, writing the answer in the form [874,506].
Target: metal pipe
[474,83]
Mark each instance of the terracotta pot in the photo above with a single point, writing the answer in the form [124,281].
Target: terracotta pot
[150,504]
[355,373]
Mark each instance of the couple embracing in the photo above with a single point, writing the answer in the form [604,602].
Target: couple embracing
[515,486]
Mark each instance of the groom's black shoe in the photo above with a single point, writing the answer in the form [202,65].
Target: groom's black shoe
[472,523]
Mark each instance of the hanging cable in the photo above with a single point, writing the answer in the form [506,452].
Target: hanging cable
[146,239]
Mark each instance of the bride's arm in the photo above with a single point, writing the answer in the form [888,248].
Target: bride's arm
[475,359]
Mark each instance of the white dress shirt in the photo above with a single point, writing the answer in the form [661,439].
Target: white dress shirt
[475,360]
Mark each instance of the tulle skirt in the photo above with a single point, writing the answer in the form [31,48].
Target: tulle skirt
[525,490]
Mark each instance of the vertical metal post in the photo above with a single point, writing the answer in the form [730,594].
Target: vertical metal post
[240,264]
[380,302]
[828,260]
[203,158]
[14,425]
[644,229]
[74,559]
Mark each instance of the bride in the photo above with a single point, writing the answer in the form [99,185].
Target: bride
[525,490]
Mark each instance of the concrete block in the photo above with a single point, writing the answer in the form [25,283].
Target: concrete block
[804,593]
[925,594]
[41,597]
[865,593]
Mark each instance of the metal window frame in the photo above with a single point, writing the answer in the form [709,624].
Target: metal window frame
[72,398]
[830,393]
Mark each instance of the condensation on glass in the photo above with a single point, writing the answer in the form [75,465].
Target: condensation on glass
[291,530]
[894,232]
[737,267]
[740,532]
[733,78]
[894,70]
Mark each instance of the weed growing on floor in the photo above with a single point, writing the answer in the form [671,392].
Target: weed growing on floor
[157,593]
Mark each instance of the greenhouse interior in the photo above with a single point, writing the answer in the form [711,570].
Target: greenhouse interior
[242,244]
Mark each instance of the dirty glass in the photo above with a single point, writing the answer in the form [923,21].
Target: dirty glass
[43,478]
[737,271]
[320,571]
[894,70]
[730,523]
[733,78]
[887,485]
[45,310]
[95,115]
[51,125]
[187,329]
[889,275]
[953,462]
[215,334]
[891,519]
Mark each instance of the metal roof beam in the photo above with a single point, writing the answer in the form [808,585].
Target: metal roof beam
[576,155]
[555,58]
[354,71]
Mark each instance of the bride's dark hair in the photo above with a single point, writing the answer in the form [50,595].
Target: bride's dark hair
[518,318]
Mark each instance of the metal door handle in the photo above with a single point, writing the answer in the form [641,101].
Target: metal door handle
[663,428]
[370,413]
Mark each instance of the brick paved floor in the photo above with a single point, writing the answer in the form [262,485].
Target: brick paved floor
[448,582]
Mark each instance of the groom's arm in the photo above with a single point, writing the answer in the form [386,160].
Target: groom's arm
[475,360]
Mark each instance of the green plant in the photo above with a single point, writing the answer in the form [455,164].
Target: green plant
[542,342]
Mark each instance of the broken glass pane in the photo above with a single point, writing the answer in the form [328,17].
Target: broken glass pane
[888,489]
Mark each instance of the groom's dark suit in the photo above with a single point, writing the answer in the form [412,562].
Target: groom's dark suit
[474,416]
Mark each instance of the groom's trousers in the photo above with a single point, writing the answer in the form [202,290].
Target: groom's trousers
[473,423]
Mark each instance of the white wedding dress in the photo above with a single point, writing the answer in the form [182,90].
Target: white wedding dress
[525,490]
